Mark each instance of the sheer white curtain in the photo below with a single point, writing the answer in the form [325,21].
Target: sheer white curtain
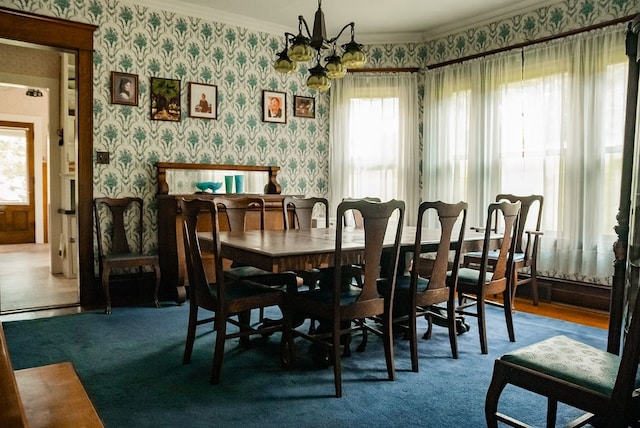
[548,119]
[374,139]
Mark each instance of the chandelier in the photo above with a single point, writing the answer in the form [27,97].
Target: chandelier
[305,46]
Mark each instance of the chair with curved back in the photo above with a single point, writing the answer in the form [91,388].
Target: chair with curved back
[568,371]
[119,231]
[225,298]
[492,276]
[338,303]
[432,281]
[527,243]
[302,210]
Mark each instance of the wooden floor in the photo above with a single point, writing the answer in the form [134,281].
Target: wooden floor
[26,283]
[590,317]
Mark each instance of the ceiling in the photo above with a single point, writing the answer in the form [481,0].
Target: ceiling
[376,20]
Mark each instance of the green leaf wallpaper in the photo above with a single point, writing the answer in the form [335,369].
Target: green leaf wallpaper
[137,39]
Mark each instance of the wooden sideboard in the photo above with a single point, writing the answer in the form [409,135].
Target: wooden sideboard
[170,240]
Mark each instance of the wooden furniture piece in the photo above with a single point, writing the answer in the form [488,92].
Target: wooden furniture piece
[338,304]
[431,282]
[527,243]
[568,371]
[491,277]
[626,248]
[294,249]
[170,242]
[301,216]
[225,299]
[119,227]
[46,396]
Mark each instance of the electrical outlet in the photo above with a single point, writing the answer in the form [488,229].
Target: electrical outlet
[102,157]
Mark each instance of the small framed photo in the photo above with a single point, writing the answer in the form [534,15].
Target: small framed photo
[165,99]
[203,101]
[304,106]
[124,88]
[274,106]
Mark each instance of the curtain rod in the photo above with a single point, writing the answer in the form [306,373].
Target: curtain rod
[534,42]
[385,70]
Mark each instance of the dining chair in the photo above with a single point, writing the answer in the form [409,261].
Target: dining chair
[119,231]
[432,281]
[235,212]
[354,218]
[491,277]
[225,298]
[568,371]
[297,213]
[337,303]
[527,243]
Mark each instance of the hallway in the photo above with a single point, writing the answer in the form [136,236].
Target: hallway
[26,283]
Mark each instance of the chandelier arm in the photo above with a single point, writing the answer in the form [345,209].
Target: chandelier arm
[301,21]
[351,24]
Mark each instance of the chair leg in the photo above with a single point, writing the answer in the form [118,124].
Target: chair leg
[552,411]
[534,288]
[191,333]
[413,339]
[453,334]
[482,327]
[105,286]
[387,337]
[337,369]
[218,351]
[156,269]
[508,315]
[244,318]
[498,382]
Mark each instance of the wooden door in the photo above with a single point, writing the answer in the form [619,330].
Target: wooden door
[17,199]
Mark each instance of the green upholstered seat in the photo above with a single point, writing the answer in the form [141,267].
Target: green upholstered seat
[567,359]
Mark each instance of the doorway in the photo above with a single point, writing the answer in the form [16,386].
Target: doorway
[32,267]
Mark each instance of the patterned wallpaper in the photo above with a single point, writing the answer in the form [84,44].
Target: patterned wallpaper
[155,43]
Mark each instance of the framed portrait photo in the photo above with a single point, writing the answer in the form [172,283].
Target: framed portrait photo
[304,106]
[124,88]
[274,106]
[165,99]
[203,101]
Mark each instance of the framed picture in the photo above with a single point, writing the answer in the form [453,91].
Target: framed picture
[304,106]
[165,99]
[274,106]
[203,101]
[124,88]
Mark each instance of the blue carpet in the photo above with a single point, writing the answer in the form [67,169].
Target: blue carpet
[131,366]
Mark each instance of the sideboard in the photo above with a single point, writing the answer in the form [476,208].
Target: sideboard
[170,240]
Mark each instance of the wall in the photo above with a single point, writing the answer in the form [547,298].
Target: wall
[148,42]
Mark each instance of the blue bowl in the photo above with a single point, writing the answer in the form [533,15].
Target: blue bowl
[209,185]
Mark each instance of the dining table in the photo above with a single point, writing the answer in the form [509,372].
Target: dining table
[300,249]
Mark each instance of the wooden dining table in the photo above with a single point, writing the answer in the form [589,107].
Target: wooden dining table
[295,249]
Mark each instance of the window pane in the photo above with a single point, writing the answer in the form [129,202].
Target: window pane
[14,185]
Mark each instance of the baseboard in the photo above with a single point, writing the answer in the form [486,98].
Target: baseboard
[582,294]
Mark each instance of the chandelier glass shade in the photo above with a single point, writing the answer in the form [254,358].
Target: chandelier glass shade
[309,45]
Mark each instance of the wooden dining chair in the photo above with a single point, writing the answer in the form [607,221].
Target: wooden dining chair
[491,277]
[432,281]
[527,243]
[568,371]
[338,303]
[119,231]
[224,297]
[297,213]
